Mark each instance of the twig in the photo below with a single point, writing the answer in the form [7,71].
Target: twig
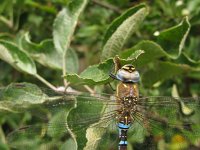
[107,5]
[64,70]
[89,89]
[47,8]
[45,82]
[6,21]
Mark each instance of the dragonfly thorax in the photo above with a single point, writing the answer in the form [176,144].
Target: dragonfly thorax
[129,102]
[127,94]
[128,107]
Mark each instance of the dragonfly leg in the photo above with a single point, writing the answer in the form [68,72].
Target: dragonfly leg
[113,76]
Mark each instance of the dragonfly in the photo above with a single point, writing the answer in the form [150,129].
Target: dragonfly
[125,113]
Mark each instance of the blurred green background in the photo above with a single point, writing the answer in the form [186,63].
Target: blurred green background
[168,36]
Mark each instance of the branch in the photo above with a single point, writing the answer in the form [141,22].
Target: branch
[6,21]
[45,82]
[91,91]
[107,5]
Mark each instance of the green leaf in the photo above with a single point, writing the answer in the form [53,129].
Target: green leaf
[88,32]
[148,51]
[173,39]
[96,134]
[191,52]
[96,74]
[23,93]
[136,54]
[153,51]
[125,59]
[45,54]
[18,96]
[69,144]
[163,71]
[83,113]
[65,23]
[26,98]
[139,133]
[195,74]
[93,135]
[10,53]
[71,61]
[121,29]
[188,60]
[5,6]
[3,146]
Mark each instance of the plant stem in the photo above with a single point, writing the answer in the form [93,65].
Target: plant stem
[107,5]
[89,89]
[47,8]
[6,21]
[64,71]
[45,82]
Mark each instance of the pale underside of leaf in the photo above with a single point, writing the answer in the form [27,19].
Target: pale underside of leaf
[123,33]
[96,131]
[64,26]
[45,54]
[10,53]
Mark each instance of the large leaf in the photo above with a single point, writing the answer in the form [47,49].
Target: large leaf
[163,71]
[45,54]
[96,74]
[20,95]
[191,52]
[121,29]
[83,110]
[71,61]
[173,39]
[149,50]
[6,5]
[65,23]
[23,93]
[26,98]
[170,45]
[69,144]
[10,53]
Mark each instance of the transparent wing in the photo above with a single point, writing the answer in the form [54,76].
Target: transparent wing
[55,121]
[155,116]
[171,110]
[172,120]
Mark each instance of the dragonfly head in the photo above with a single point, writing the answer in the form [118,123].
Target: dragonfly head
[128,73]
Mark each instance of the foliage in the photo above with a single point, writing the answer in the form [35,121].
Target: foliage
[74,43]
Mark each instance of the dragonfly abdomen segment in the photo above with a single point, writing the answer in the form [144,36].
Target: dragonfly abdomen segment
[123,129]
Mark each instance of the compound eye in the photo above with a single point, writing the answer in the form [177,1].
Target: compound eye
[128,74]
[128,68]
[135,76]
